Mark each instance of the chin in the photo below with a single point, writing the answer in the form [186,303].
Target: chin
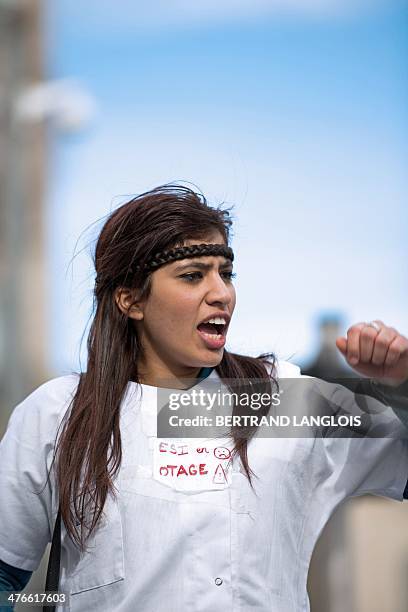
[214,359]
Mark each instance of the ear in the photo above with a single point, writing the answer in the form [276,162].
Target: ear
[126,301]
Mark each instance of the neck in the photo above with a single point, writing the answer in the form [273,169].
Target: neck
[156,373]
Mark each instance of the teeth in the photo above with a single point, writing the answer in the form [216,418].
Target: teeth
[213,336]
[218,320]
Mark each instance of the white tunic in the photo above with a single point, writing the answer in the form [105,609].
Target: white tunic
[223,548]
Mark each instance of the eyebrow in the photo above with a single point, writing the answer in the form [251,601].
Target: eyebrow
[200,265]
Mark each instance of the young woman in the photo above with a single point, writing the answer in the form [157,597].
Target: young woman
[87,444]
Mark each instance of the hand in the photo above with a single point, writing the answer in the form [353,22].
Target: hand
[377,353]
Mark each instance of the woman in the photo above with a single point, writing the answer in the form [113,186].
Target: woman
[164,300]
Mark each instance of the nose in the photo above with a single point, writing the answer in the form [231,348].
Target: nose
[219,291]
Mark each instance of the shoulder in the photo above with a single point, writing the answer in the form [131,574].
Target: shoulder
[285,369]
[53,395]
[279,368]
[57,389]
[45,407]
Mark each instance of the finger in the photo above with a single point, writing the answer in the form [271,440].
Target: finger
[367,338]
[382,344]
[341,344]
[397,348]
[353,343]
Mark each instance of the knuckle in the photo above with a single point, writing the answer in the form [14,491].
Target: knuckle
[393,353]
[355,328]
[379,358]
[382,342]
[391,360]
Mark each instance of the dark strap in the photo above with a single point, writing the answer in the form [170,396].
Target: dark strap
[53,571]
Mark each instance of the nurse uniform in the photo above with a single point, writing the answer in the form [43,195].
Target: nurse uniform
[211,545]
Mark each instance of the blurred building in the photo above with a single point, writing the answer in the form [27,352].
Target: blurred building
[23,294]
[360,563]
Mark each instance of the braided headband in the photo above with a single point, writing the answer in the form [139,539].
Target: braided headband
[194,250]
[165,257]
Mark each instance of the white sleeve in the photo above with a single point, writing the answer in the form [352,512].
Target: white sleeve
[28,500]
[359,465]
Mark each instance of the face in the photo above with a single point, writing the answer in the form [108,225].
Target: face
[173,322]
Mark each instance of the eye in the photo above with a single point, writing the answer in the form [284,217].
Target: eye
[192,276]
[229,275]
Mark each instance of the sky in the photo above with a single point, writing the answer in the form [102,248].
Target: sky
[294,112]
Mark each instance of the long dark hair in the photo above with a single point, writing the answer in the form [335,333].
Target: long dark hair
[89,450]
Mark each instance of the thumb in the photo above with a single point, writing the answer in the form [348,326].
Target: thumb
[341,344]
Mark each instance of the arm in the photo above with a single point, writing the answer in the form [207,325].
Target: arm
[381,353]
[27,479]
[396,397]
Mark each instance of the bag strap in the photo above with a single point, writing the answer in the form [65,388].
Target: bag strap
[53,571]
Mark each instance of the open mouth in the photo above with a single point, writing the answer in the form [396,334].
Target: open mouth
[213,331]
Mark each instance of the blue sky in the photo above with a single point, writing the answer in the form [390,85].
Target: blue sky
[297,117]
